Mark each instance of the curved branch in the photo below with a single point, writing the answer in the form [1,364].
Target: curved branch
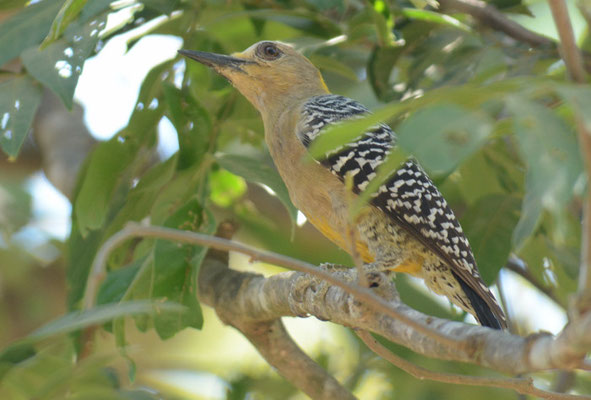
[520,385]
[488,15]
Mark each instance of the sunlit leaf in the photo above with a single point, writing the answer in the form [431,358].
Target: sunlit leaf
[59,65]
[225,187]
[69,11]
[150,105]
[437,18]
[19,99]
[192,123]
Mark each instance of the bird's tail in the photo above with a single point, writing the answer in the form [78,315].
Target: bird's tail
[483,312]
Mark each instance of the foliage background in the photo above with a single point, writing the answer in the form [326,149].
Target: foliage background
[490,118]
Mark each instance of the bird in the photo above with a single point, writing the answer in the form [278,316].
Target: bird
[407,225]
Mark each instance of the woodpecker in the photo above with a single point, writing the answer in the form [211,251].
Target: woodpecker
[407,225]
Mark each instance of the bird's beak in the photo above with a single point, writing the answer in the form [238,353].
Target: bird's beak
[216,61]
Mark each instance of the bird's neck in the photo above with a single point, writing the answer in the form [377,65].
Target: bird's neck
[273,106]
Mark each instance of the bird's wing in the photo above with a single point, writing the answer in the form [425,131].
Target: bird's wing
[409,197]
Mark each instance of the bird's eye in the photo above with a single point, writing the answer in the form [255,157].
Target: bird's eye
[269,51]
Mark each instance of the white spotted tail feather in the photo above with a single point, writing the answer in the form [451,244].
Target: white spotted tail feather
[409,197]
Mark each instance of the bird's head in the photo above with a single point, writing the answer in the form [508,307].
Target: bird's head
[269,74]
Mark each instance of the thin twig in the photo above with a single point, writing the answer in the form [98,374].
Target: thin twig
[488,15]
[520,385]
[568,46]
[352,234]
[132,230]
[523,271]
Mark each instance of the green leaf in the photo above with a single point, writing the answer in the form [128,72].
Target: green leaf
[69,11]
[312,23]
[434,17]
[257,171]
[104,172]
[192,123]
[94,7]
[100,314]
[15,209]
[163,6]
[379,69]
[26,28]
[178,191]
[443,135]
[549,147]
[19,99]
[149,107]
[141,198]
[383,24]
[117,282]
[12,4]
[175,272]
[225,187]
[488,225]
[330,64]
[81,253]
[324,5]
[14,354]
[59,65]
[579,97]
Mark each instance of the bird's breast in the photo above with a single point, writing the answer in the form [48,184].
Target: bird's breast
[313,189]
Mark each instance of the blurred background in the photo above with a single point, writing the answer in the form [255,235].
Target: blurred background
[124,83]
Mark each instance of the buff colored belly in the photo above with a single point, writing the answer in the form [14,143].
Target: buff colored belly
[409,266]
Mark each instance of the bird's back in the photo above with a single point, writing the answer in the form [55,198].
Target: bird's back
[419,219]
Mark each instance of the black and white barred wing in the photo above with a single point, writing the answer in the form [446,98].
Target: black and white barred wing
[409,197]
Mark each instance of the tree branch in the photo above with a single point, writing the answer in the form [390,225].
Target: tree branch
[520,385]
[488,15]
[515,266]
